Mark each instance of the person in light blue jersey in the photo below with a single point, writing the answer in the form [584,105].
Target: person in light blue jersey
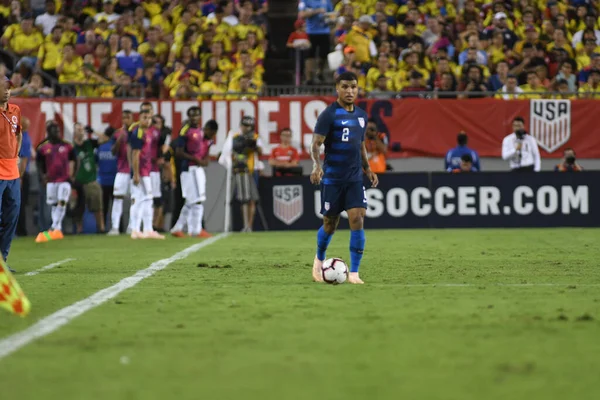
[453,157]
[341,128]
[107,170]
[317,14]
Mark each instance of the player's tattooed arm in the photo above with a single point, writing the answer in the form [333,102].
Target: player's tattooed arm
[315,155]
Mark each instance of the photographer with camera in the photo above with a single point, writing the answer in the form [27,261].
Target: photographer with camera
[569,163]
[246,147]
[520,149]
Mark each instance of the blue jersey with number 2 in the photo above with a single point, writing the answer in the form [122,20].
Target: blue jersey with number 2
[344,133]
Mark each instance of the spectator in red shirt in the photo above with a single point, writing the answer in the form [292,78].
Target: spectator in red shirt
[299,38]
[284,158]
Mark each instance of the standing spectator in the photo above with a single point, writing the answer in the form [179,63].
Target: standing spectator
[10,187]
[520,149]
[376,144]
[47,20]
[453,157]
[24,159]
[569,163]
[130,61]
[360,39]
[50,52]
[315,14]
[88,189]
[284,158]
[107,171]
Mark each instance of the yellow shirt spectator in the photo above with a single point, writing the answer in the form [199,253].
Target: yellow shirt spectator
[70,68]
[68,37]
[50,54]
[374,74]
[402,77]
[588,91]
[152,7]
[212,91]
[241,31]
[359,40]
[162,21]
[23,43]
[528,89]
[161,48]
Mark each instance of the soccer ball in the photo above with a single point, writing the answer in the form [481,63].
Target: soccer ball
[335,271]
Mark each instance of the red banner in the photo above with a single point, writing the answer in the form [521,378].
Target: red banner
[420,127]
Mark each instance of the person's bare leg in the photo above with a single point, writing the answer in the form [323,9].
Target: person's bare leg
[324,236]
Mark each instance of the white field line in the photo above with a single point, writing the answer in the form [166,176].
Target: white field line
[49,266]
[461,285]
[62,317]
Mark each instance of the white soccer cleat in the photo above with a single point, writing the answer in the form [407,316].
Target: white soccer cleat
[113,232]
[317,271]
[154,235]
[137,235]
[353,278]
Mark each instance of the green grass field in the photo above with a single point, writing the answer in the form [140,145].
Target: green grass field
[445,314]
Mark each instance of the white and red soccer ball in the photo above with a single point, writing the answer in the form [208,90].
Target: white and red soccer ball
[335,271]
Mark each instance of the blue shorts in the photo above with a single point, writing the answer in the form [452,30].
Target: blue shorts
[342,197]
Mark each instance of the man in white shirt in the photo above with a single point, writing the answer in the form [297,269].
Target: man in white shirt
[590,23]
[511,90]
[521,149]
[108,12]
[47,20]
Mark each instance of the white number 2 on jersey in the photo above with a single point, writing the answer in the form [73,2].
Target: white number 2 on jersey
[345,134]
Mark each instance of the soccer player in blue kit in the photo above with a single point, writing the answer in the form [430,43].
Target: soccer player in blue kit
[341,127]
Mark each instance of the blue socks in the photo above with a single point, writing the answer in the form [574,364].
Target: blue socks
[357,246]
[323,239]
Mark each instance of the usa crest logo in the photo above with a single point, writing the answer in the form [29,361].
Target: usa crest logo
[288,203]
[550,123]
[361,121]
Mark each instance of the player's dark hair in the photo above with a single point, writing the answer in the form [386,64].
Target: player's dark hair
[346,76]
[466,158]
[212,125]
[568,149]
[145,104]
[129,112]
[193,109]
[519,119]
[462,139]
[144,112]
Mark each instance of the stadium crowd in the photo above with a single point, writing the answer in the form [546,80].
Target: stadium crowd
[455,48]
[182,49]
